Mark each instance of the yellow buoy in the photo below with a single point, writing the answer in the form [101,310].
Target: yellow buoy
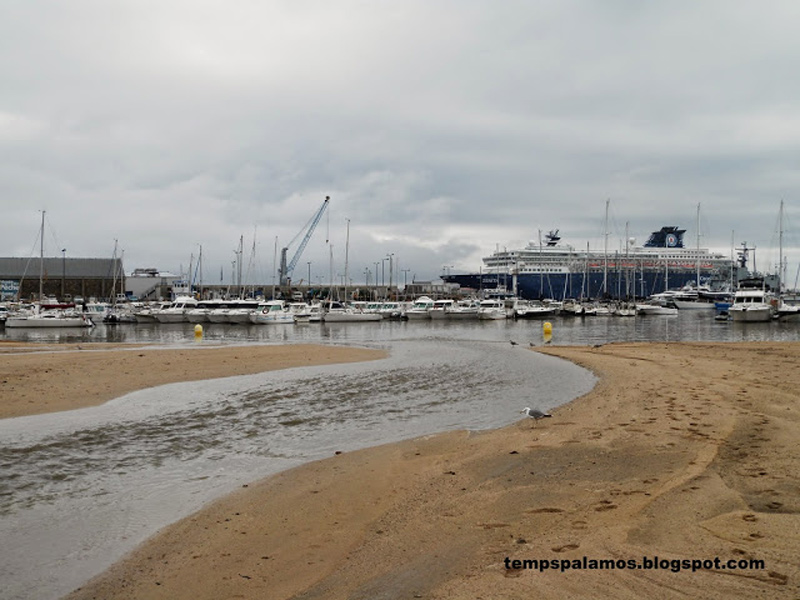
[547,332]
[198,332]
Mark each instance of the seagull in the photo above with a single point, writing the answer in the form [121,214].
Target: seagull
[513,343]
[535,414]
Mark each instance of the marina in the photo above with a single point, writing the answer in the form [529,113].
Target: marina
[652,323]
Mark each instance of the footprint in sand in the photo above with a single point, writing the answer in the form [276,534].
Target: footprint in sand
[492,525]
[778,578]
[565,548]
[750,518]
[546,509]
[580,525]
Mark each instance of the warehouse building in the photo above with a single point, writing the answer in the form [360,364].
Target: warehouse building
[62,278]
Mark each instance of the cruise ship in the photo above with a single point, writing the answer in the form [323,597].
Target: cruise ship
[551,269]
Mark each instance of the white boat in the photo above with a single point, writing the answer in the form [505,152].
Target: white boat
[702,298]
[788,308]
[233,311]
[49,318]
[492,309]
[449,309]
[175,312]
[240,315]
[372,307]
[439,309]
[217,315]
[297,308]
[147,313]
[273,311]
[96,311]
[464,310]
[121,313]
[311,314]
[572,308]
[198,314]
[599,310]
[647,308]
[591,310]
[336,312]
[752,303]
[393,310]
[524,309]
[624,309]
[419,309]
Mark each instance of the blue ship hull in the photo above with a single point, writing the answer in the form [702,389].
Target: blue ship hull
[578,285]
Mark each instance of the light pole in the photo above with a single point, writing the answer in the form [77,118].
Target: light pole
[391,265]
[383,277]
[405,277]
[63,271]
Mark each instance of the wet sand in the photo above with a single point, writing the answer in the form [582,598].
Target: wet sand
[36,378]
[684,451]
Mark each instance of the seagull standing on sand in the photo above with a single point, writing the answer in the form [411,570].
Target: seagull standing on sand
[535,414]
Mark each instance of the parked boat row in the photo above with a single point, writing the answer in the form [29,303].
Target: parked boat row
[752,302]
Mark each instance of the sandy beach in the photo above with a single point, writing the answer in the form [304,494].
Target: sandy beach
[36,378]
[683,453]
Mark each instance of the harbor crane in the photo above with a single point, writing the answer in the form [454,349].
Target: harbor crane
[286,269]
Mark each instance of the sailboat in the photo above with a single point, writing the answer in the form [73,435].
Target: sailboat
[698,297]
[788,304]
[336,312]
[47,317]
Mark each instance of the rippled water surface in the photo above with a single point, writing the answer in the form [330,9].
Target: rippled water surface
[697,325]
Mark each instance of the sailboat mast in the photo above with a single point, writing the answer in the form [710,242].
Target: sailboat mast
[733,262]
[114,278]
[200,270]
[121,273]
[627,265]
[605,253]
[240,253]
[347,259]
[541,275]
[780,250]
[41,261]
[697,258]
[274,266]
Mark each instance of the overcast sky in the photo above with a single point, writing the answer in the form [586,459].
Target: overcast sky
[440,129]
